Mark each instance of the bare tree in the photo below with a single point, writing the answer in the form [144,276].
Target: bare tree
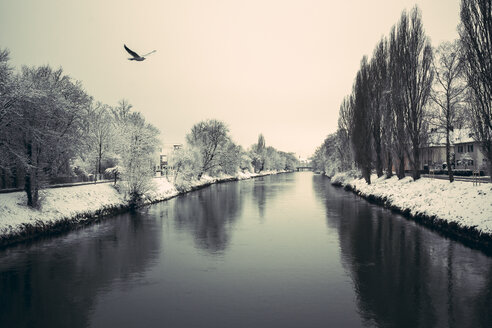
[99,127]
[345,121]
[416,81]
[417,75]
[362,121]
[476,41]
[388,124]
[395,118]
[448,92]
[378,80]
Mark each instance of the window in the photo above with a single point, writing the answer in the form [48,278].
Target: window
[470,148]
[460,149]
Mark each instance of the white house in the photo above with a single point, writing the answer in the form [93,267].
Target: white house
[466,153]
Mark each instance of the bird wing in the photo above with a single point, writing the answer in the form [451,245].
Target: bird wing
[131,52]
[149,53]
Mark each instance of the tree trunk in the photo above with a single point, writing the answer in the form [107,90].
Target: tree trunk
[31,183]
[4,179]
[400,172]
[416,163]
[448,157]
[379,159]
[16,172]
[366,174]
[99,158]
[376,137]
[389,169]
[489,163]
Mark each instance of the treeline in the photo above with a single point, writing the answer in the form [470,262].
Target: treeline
[210,150]
[51,129]
[408,89]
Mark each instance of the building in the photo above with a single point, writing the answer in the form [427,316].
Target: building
[166,151]
[433,153]
[466,153]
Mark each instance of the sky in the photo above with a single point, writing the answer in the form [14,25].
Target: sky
[276,67]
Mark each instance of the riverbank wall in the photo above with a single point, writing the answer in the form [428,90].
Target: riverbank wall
[459,210]
[64,209]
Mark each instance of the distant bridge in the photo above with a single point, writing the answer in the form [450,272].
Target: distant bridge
[304,168]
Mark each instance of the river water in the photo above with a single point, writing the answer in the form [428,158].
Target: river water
[280,251]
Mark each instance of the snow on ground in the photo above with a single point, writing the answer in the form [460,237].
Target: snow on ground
[70,202]
[463,203]
[57,203]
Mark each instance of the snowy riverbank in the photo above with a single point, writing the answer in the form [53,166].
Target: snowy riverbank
[67,207]
[461,209]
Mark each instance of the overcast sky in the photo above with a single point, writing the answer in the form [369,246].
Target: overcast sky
[277,67]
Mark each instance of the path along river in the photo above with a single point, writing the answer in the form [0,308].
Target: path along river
[280,251]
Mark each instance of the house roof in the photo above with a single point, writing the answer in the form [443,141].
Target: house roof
[457,136]
[462,136]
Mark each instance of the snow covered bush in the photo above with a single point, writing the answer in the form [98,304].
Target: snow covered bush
[136,144]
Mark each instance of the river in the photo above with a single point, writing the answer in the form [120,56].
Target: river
[280,251]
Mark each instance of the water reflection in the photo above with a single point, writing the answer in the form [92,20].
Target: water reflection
[405,275]
[55,282]
[211,213]
[209,217]
[320,257]
[269,188]
[259,196]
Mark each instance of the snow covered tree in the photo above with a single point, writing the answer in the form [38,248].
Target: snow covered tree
[245,164]
[273,160]
[184,164]
[8,115]
[136,142]
[210,138]
[258,153]
[476,41]
[229,158]
[50,105]
[291,161]
[327,157]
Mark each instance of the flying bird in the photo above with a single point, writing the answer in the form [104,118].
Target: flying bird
[136,56]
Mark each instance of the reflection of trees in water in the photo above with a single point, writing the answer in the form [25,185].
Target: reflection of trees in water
[269,187]
[54,283]
[209,214]
[405,275]
[259,195]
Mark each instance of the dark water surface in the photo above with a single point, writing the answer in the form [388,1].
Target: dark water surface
[279,251]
